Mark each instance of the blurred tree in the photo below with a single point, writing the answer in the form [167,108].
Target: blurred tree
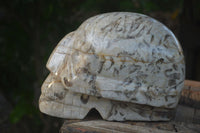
[189,37]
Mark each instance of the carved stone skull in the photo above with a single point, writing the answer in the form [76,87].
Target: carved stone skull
[127,66]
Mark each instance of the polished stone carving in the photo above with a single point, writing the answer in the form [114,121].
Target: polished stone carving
[128,66]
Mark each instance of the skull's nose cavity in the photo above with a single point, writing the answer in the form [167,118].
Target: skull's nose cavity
[93,114]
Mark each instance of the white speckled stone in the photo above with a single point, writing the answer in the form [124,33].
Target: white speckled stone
[120,56]
[58,101]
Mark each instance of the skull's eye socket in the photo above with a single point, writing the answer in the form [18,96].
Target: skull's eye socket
[67,82]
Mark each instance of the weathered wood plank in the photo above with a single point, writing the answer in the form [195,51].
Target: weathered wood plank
[196,118]
[192,83]
[190,95]
[184,114]
[100,126]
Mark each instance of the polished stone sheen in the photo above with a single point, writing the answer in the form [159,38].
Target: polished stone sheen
[120,57]
[58,101]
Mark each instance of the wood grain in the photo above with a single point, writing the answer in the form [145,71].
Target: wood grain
[190,95]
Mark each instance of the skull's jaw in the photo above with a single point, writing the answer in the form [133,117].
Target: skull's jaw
[57,101]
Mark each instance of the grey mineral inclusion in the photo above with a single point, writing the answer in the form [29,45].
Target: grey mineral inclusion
[128,66]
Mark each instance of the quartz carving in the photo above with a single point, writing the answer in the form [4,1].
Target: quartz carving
[127,66]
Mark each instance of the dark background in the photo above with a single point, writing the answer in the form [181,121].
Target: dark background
[30,29]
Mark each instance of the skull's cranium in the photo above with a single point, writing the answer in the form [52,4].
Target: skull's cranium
[128,66]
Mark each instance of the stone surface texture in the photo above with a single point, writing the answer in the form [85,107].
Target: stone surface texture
[58,101]
[119,63]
